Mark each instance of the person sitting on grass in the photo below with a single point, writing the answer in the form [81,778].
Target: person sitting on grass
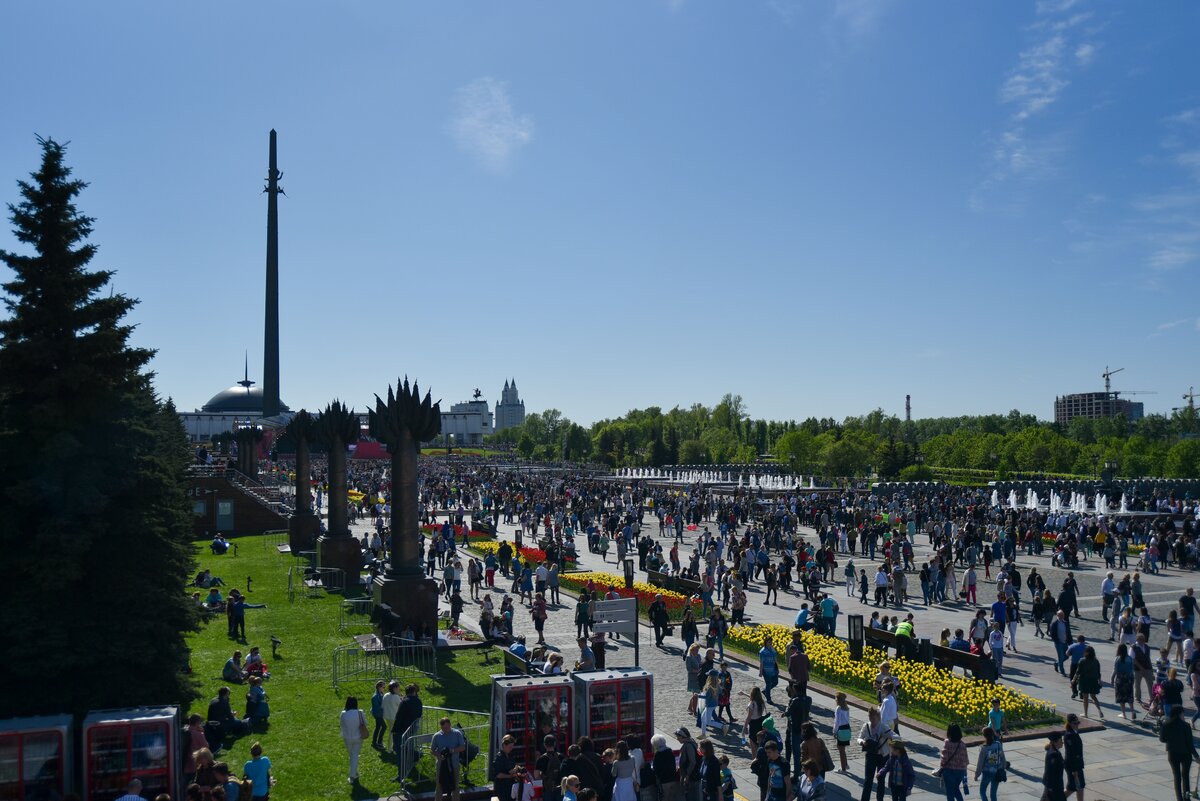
[214,602]
[221,721]
[257,709]
[255,666]
[233,671]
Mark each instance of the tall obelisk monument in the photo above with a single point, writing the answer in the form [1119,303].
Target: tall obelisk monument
[271,332]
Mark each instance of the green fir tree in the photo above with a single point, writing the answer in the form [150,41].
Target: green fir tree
[94,518]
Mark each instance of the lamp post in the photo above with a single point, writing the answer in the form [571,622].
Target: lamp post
[855,636]
[1110,472]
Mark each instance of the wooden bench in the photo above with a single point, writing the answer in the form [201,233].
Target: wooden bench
[981,667]
[515,665]
[674,583]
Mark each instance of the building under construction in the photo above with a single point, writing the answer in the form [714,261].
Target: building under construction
[1095,405]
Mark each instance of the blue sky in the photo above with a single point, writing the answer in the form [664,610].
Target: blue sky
[820,205]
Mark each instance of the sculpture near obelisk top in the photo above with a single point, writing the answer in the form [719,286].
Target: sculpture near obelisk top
[402,423]
[271,325]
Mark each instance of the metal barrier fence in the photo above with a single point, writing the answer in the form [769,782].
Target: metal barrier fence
[419,766]
[273,539]
[355,613]
[371,658]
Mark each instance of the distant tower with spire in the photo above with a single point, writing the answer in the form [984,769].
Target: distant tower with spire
[271,404]
[510,410]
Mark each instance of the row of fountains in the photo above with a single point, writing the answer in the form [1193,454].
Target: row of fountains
[751,481]
[1077,503]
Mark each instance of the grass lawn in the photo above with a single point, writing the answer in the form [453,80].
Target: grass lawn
[304,741]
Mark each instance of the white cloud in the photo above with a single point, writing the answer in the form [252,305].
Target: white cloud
[486,126]
[1173,324]
[1038,79]
[1041,75]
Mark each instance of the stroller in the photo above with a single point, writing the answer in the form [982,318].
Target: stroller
[1154,709]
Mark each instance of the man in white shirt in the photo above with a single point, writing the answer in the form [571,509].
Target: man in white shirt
[1108,591]
[889,714]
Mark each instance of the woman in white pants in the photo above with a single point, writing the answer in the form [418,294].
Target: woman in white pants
[353,724]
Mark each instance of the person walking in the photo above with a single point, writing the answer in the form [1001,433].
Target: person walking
[391,705]
[1059,630]
[954,762]
[1088,679]
[1122,682]
[989,764]
[841,730]
[875,739]
[659,619]
[354,730]
[1073,757]
[377,715]
[811,786]
[625,775]
[1052,770]
[768,668]
[665,773]
[407,714]
[1181,750]
[897,772]
[813,749]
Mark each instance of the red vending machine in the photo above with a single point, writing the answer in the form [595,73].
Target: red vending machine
[124,744]
[529,708]
[37,758]
[612,704]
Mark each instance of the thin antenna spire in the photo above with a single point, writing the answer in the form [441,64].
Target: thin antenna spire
[246,382]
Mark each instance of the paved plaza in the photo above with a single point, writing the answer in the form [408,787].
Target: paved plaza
[1124,761]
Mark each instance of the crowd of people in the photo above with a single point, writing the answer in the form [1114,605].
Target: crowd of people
[738,549]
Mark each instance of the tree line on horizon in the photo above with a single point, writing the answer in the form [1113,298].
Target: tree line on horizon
[997,445]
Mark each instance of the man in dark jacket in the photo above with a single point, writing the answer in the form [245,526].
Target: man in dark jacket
[1073,757]
[659,618]
[408,713]
[798,665]
[1181,748]
[1052,773]
[799,709]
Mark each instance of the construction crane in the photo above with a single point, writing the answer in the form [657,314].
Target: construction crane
[1107,376]
[1190,397]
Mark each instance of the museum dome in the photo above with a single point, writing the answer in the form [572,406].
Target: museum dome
[242,398]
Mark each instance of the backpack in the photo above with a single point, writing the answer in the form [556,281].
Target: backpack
[550,777]
[246,790]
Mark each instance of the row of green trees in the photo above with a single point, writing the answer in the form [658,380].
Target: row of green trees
[1157,445]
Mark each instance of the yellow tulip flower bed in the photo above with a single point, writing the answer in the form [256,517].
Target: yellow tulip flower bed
[644,592]
[936,694]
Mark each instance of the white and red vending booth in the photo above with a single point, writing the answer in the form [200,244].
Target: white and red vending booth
[124,744]
[614,704]
[37,758]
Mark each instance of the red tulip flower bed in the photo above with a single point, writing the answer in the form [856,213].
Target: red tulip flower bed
[472,535]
